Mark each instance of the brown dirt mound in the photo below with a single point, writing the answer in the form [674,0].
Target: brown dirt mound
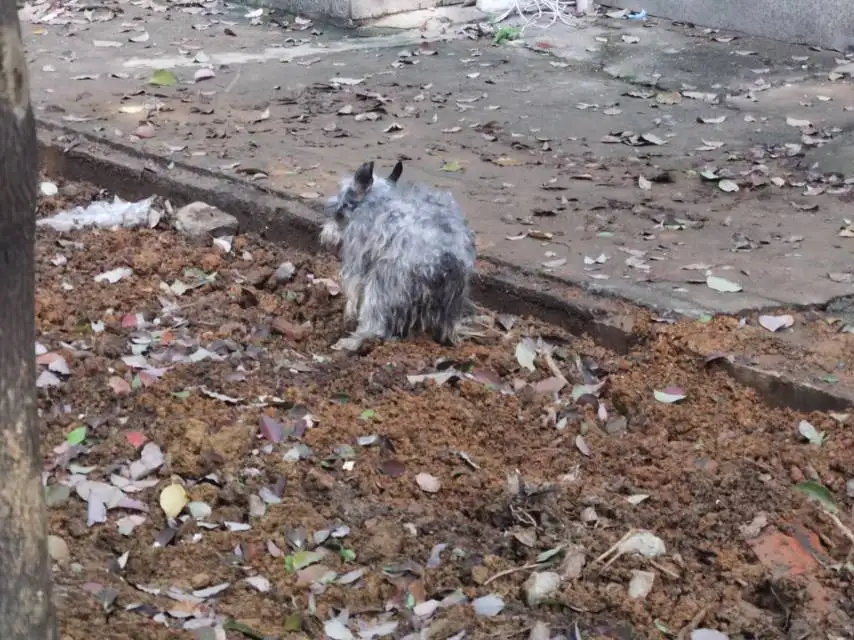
[515,473]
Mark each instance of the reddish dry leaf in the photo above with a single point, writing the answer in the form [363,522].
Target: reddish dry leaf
[428,483]
[312,574]
[131,320]
[393,468]
[120,386]
[148,377]
[550,385]
[272,430]
[47,358]
[136,439]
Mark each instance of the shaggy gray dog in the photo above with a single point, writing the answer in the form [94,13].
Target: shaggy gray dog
[407,255]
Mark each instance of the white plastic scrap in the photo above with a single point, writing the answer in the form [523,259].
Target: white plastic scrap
[102,214]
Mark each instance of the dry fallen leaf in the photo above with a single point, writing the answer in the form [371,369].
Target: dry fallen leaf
[775,323]
[581,445]
[670,395]
[428,483]
[173,499]
[554,264]
[640,584]
[205,73]
[722,284]
[795,122]
[119,386]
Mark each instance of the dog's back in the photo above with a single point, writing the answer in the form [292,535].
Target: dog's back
[414,225]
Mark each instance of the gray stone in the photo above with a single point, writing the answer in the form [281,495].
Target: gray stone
[199,219]
[826,23]
[540,586]
[285,272]
[57,548]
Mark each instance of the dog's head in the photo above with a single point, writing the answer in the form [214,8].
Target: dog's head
[355,190]
[361,185]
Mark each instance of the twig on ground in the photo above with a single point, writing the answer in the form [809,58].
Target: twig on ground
[842,527]
[695,622]
[664,570]
[507,572]
[556,372]
[613,548]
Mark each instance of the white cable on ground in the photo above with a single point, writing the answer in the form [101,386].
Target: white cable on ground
[559,9]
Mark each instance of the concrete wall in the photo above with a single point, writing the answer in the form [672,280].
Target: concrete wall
[825,23]
[341,10]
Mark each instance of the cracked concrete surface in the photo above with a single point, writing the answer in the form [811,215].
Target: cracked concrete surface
[540,138]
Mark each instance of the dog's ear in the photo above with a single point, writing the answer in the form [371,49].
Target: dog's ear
[394,176]
[364,177]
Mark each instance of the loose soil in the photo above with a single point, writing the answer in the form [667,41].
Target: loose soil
[719,468]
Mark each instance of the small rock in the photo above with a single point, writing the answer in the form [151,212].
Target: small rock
[210,262]
[48,189]
[285,272]
[705,463]
[849,488]
[257,508]
[317,480]
[641,584]
[199,219]
[445,628]
[708,634]
[288,329]
[200,581]
[573,563]
[257,277]
[589,515]
[58,550]
[479,574]
[384,543]
[77,529]
[70,190]
[540,631]
[617,426]
[540,586]
[753,529]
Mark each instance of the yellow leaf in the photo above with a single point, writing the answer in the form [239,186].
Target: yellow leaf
[508,162]
[173,499]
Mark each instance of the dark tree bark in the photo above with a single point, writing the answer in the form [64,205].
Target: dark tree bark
[26,607]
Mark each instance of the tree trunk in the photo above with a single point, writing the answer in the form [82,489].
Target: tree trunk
[26,607]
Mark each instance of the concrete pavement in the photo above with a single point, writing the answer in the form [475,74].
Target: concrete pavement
[605,154]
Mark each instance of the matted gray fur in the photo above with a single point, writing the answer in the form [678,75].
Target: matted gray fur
[407,255]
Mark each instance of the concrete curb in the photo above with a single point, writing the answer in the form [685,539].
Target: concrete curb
[279,217]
